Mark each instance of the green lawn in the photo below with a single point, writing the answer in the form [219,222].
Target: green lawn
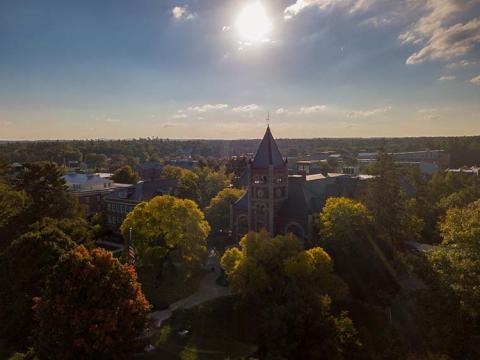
[218,329]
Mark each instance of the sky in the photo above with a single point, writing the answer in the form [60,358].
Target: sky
[214,69]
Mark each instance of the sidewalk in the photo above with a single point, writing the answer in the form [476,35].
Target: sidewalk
[208,290]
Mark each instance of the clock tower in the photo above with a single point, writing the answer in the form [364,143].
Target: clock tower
[267,185]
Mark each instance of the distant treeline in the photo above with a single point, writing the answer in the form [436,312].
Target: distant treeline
[464,151]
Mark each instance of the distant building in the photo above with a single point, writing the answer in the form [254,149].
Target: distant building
[439,157]
[188,164]
[350,170]
[150,171]
[281,203]
[89,189]
[307,167]
[73,164]
[474,170]
[121,201]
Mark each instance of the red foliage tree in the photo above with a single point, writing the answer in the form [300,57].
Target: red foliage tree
[92,307]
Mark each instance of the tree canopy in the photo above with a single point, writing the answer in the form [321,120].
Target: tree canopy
[346,232]
[168,228]
[218,211]
[92,307]
[125,175]
[25,265]
[294,287]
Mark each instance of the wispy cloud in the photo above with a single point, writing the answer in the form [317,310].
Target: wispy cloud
[368,113]
[179,116]
[353,6]
[111,120]
[182,13]
[312,109]
[441,30]
[447,77]
[475,80]
[428,114]
[461,63]
[5,123]
[246,108]
[207,107]
[167,125]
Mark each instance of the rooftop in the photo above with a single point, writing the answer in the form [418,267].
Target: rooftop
[268,153]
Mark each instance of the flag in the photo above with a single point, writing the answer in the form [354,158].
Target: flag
[131,253]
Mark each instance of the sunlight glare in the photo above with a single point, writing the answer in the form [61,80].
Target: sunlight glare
[253,24]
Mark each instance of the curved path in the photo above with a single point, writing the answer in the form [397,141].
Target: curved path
[208,290]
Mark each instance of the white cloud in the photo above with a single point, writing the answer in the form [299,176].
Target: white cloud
[427,110]
[207,107]
[167,125]
[246,108]
[428,114]
[312,109]
[182,13]
[443,35]
[368,113]
[446,44]
[179,116]
[475,80]
[281,111]
[461,63]
[110,120]
[354,6]
[226,28]
[447,77]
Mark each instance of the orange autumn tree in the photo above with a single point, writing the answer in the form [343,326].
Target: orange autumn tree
[92,307]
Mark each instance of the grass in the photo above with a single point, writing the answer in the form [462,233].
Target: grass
[218,329]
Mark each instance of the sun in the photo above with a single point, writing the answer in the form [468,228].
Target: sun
[253,24]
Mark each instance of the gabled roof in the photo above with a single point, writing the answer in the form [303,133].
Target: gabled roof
[268,153]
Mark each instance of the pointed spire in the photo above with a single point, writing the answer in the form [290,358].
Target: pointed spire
[268,152]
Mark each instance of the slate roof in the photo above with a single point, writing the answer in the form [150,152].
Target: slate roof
[144,190]
[268,153]
[242,203]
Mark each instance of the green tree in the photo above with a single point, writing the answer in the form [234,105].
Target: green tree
[172,172]
[218,212]
[386,203]
[92,307]
[95,161]
[188,186]
[5,169]
[168,229]
[449,315]
[210,183]
[25,265]
[346,232]
[13,204]
[46,191]
[294,287]
[125,175]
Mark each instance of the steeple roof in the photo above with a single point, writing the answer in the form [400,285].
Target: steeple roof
[268,153]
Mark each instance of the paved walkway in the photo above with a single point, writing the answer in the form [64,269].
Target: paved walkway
[208,290]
